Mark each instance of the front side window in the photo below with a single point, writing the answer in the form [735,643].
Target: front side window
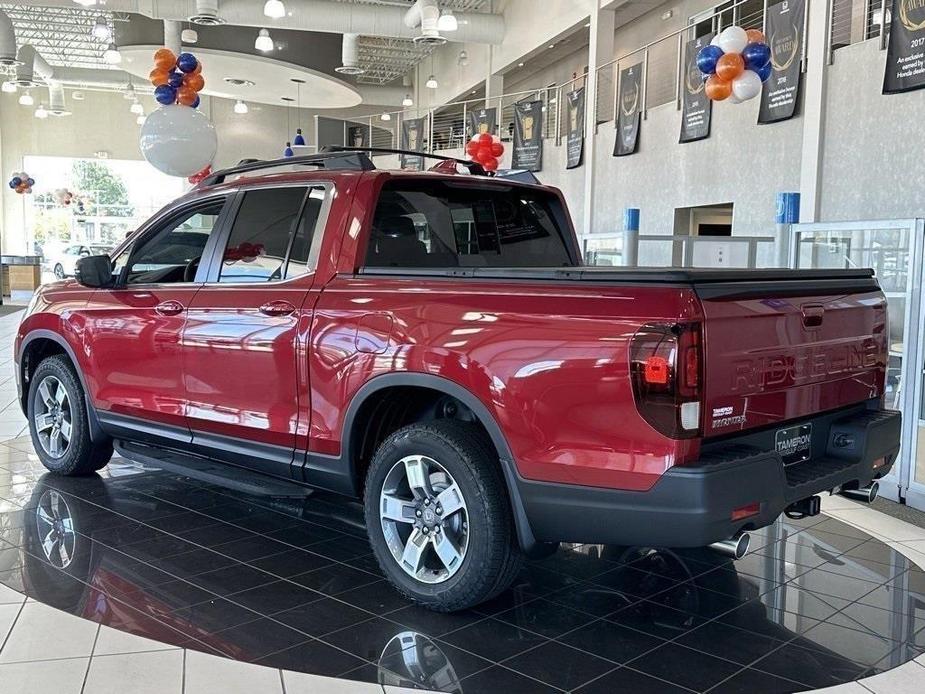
[173,253]
[421,223]
[272,235]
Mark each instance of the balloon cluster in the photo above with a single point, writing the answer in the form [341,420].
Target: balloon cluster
[485,149]
[22,182]
[735,64]
[63,197]
[177,79]
[200,175]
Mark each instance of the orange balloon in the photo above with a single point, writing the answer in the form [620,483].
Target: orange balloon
[718,89]
[756,36]
[158,76]
[730,66]
[186,95]
[165,58]
[194,81]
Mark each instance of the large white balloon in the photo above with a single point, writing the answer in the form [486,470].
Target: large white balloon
[746,86]
[178,140]
[733,40]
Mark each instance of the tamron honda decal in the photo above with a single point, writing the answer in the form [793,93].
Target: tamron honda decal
[905,59]
[779,95]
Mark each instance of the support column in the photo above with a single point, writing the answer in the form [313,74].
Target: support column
[814,93]
[172,31]
[600,50]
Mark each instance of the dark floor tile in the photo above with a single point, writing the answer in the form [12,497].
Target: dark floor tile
[334,578]
[500,679]
[493,639]
[627,680]
[290,563]
[210,534]
[545,618]
[509,599]
[253,640]
[367,563]
[214,615]
[249,549]
[875,550]
[685,667]
[750,681]
[432,623]
[306,535]
[342,548]
[595,600]
[313,656]
[811,667]
[322,616]
[559,665]
[271,598]
[758,617]
[368,638]
[379,598]
[614,642]
[860,647]
[656,620]
[181,522]
[426,663]
[731,643]
[824,583]
[231,579]
[196,561]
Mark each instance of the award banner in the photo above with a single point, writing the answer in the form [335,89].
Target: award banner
[780,93]
[574,128]
[412,138]
[527,152]
[905,58]
[697,109]
[628,117]
[483,120]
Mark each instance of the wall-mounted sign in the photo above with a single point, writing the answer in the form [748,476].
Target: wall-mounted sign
[697,109]
[574,128]
[527,152]
[905,59]
[483,120]
[628,113]
[780,94]
[412,138]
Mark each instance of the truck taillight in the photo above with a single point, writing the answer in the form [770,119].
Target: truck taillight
[666,371]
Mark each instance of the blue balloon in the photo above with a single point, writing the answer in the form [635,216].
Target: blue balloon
[165,94]
[175,79]
[196,103]
[187,62]
[764,73]
[756,56]
[15,181]
[708,57]
[30,182]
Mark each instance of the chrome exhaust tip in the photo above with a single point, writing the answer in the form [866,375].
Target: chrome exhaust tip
[865,494]
[735,547]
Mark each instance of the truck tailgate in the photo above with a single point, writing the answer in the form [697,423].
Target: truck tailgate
[789,345]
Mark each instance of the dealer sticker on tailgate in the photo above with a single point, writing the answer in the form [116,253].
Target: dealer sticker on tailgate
[794,444]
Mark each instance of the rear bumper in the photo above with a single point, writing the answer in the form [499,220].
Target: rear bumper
[691,506]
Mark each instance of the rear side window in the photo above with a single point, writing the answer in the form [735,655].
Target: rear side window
[420,223]
[270,238]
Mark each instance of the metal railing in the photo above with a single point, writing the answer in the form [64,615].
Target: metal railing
[665,250]
[854,21]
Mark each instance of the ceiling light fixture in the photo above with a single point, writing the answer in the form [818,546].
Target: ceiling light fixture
[85,3]
[407,101]
[189,36]
[137,108]
[101,29]
[298,140]
[129,93]
[463,59]
[447,21]
[432,82]
[274,9]
[26,99]
[288,151]
[264,42]
[111,55]
[9,87]
[40,112]
[385,116]
[77,96]
[240,107]
[141,119]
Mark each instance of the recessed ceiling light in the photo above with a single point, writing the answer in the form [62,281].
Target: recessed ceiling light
[137,108]
[274,9]
[552,45]
[40,112]
[77,96]
[189,36]
[447,21]
[9,87]
[432,82]
[141,119]
[240,107]
[111,55]
[264,42]
[101,29]
[407,101]
[26,99]
[520,64]
[238,82]
[385,116]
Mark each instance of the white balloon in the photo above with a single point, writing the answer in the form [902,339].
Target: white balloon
[715,41]
[746,86]
[178,140]
[733,99]
[733,40]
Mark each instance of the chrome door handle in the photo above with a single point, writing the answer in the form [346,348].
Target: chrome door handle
[277,308]
[169,308]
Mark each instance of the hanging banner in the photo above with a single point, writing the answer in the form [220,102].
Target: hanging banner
[779,95]
[697,109]
[357,136]
[483,120]
[527,152]
[574,128]
[905,58]
[412,138]
[628,117]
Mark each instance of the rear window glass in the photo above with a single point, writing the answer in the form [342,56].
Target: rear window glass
[420,223]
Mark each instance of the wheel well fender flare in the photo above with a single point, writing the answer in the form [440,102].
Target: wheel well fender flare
[486,419]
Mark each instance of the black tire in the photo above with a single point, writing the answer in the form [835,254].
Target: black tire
[82,456]
[493,558]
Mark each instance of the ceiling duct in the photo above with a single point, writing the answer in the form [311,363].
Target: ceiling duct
[32,70]
[206,13]
[425,14]
[56,103]
[7,41]
[350,56]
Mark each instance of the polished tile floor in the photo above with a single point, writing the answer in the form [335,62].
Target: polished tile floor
[291,584]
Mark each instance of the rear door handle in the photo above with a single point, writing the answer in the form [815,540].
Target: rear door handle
[169,308]
[277,308]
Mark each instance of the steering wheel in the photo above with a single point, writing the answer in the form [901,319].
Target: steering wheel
[189,272]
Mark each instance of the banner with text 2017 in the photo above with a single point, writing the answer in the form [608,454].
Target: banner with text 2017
[628,116]
[780,94]
[697,111]
[905,58]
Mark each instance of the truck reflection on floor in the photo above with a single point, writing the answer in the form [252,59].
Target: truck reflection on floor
[80,556]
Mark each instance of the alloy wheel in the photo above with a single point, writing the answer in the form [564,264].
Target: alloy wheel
[55,529]
[52,417]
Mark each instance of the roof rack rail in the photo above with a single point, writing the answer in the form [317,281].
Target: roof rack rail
[342,161]
[473,167]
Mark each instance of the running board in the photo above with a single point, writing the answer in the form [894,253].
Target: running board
[212,472]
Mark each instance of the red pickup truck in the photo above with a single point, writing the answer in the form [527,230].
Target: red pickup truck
[431,343]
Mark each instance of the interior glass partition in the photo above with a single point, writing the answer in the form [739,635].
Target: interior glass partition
[894,249]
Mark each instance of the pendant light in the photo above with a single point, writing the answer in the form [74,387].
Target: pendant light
[263,42]
[298,140]
[287,152]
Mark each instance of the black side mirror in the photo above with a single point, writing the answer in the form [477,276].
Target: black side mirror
[94,271]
